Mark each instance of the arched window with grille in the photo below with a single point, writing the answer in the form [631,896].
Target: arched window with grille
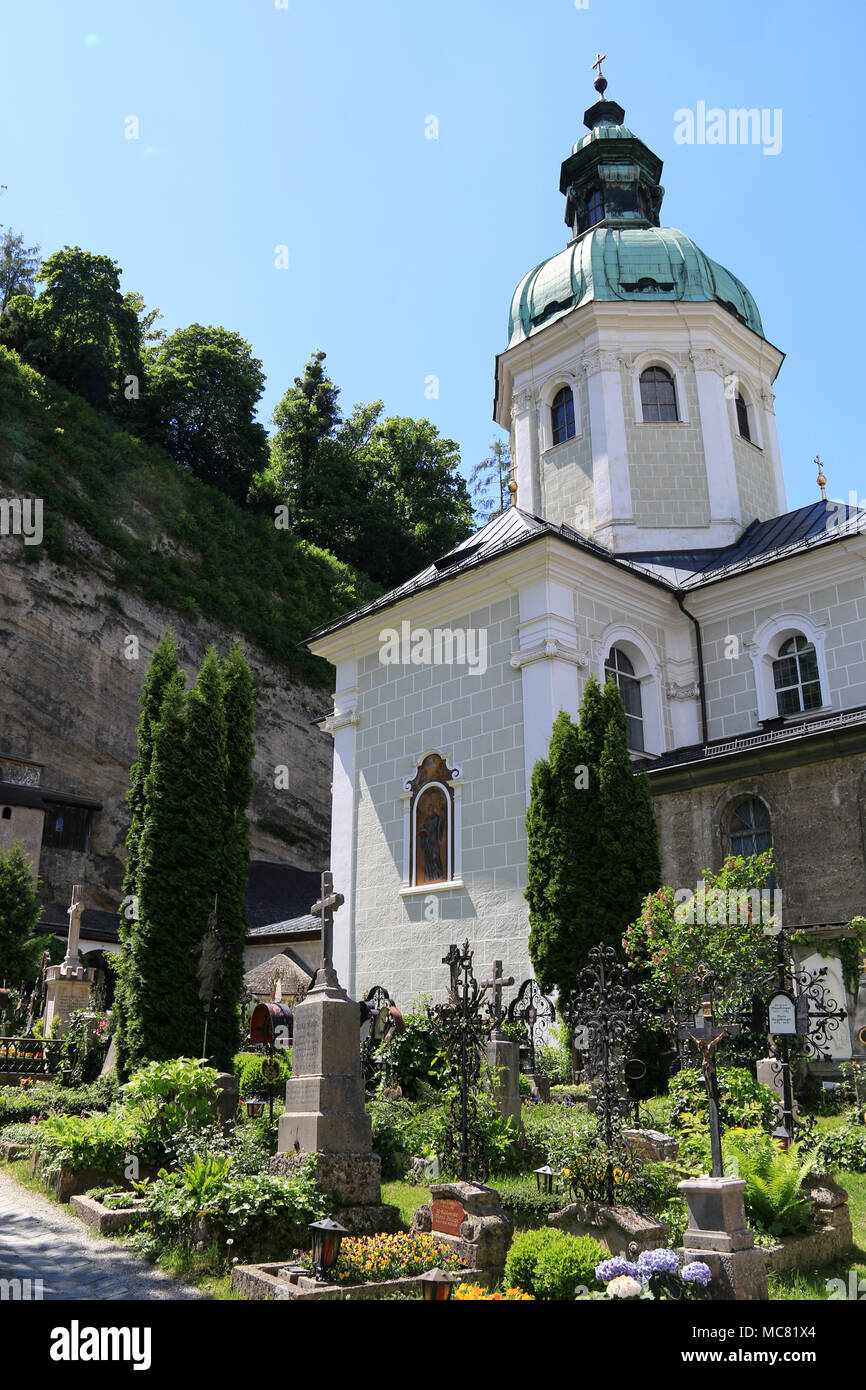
[562,415]
[743,418]
[621,669]
[748,830]
[658,396]
[796,678]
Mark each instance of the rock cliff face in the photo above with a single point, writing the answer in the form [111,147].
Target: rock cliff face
[69,689]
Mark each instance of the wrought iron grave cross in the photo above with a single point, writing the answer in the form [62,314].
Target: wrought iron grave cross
[708,1035]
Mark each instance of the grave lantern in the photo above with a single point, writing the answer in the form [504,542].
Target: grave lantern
[544,1178]
[254,1106]
[327,1237]
[436,1285]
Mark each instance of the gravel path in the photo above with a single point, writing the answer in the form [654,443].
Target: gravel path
[40,1239]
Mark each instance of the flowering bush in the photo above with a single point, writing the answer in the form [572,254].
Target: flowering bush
[476,1293]
[655,1274]
[365,1259]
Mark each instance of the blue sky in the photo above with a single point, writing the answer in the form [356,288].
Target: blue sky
[304,126]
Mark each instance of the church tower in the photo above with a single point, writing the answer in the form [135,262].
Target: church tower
[637,385]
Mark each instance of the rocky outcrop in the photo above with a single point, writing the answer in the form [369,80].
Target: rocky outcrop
[69,689]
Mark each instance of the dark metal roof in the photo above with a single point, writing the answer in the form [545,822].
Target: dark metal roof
[674,570]
[278,899]
[16,794]
[786,732]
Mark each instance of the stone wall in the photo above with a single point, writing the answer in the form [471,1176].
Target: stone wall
[666,463]
[69,699]
[818,814]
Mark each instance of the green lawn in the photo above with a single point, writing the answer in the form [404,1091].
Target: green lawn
[407,1197]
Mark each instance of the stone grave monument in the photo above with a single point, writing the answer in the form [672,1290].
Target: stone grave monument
[68,985]
[503,1056]
[325,1114]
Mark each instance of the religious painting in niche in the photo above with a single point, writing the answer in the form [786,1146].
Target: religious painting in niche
[432,813]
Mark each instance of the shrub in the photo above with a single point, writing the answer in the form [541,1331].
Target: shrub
[844,1148]
[774,1181]
[403,1129]
[551,1264]
[171,1096]
[528,1208]
[89,1141]
[247,1067]
[412,1059]
[554,1062]
[243,1208]
[84,1045]
[744,1102]
[48,1097]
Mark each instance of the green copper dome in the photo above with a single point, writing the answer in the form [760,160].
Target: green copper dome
[637,264]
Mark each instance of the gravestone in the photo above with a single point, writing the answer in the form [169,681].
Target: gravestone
[325,1113]
[469,1217]
[68,985]
[717,1234]
[503,1056]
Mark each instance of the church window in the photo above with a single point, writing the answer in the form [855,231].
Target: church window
[67,828]
[594,208]
[431,812]
[748,827]
[658,396]
[796,677]
[620,668]
[743,419]
[562,413]
[7,812]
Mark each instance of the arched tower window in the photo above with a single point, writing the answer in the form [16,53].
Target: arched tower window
[562,415]
[594,207]
[431,816]
[748,831]
[796,677]
[619,666]
[743,419]
[658,395]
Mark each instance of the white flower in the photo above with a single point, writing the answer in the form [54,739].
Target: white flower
[624,1287]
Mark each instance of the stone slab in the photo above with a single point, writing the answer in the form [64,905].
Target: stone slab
[103,1219]
[622,1230]
[485,1231]
[266,1283]
[737,1274]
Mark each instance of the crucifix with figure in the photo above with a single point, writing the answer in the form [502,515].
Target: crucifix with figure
[325,908]
[708,1035]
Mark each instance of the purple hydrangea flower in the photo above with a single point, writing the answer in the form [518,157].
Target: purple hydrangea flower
[612,1269]
[659,1261]
[696,1273]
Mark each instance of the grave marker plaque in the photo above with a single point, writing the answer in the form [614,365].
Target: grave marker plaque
[782,1014]
[448,1216]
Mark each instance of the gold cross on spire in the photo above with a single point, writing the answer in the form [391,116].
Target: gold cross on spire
[822,481]
[599,59]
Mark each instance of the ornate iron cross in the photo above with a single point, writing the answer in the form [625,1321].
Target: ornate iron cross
[531,1008]
[708,1036]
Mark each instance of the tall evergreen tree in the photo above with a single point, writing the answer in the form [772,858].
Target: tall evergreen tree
[20,910]
[163,669]
[224,1028]
[160,1019]
[592,839]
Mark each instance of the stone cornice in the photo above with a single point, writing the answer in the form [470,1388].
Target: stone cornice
[689,690]
[552,650]
[343,720]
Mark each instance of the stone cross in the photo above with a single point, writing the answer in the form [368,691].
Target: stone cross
[325,908]
[74,911]
[708,1035]
[496,985]
[452,960]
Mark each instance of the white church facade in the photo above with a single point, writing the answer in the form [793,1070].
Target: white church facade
[650,539]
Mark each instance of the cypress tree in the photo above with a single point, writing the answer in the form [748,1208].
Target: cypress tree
[592,839]
[20,910]
[162,670]
[238,694]
[160,1017]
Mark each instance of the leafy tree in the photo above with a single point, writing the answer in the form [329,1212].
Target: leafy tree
[489,483]
[204,385]
[592,839]
[80,330]
[384,495]
[20,910]
[669,940]
[17,267]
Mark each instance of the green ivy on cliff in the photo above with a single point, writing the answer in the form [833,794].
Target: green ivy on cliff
[167,536]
